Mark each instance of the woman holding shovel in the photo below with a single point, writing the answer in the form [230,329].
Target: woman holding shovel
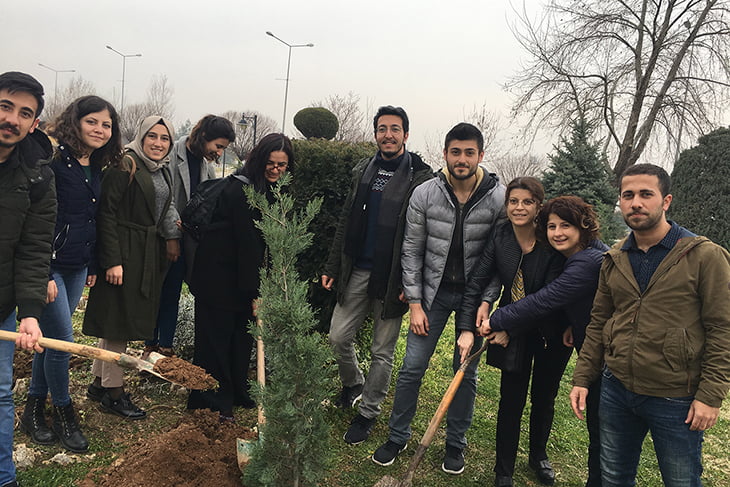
[524,264]
[225,279]
[137,237]
[88,140]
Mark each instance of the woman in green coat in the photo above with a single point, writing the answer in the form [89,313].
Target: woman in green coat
[136,237]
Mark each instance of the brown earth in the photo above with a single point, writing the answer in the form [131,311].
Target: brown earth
[199,452]
[184,373]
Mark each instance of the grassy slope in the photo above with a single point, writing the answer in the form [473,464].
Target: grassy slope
[109,436]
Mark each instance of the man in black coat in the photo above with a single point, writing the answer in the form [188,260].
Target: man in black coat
[28,215]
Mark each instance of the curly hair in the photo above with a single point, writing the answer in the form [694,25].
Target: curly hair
[575,211]
[67,130]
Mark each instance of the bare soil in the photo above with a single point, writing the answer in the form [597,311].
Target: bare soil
[199,452]
[184,373]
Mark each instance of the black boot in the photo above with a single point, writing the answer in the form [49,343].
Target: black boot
[33,421]
[67,428]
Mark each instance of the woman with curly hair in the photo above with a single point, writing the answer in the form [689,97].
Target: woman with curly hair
[570,226]
[88,140]
[138,236]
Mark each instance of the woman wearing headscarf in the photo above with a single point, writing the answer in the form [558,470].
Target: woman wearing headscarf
[137,237]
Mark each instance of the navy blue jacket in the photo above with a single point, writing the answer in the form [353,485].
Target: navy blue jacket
[572,291]
[74,239]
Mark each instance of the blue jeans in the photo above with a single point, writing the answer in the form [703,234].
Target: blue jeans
[164,333]
[50,368]
[625,419]
[419,350]
[7,409]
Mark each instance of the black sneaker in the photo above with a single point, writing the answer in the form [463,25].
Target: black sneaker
[349,396]
[359,430]
[95,393]
[453,460]
[123,406]
[387,453]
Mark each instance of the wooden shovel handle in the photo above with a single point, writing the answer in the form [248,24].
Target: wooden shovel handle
[70,347]
[260,367]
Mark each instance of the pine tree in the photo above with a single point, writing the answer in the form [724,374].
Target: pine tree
[701,187]
[578,168]
[293,450]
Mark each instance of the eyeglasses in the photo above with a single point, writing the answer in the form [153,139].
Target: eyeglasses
[278,165]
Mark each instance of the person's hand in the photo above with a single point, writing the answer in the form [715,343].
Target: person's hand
[701,417]
[327,282]
[114,275]
[499,338]
[465,343]
[419,321]
[402,297]
[178,224]
[568,337]
[173,249]
[51,291]
[255,307]
[482,320]
[90,280]
[578,397]
[28,334]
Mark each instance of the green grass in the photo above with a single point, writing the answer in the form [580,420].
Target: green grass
[109,437]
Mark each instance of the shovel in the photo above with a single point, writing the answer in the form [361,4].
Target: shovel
[244,447]
[121,359]
[407,479]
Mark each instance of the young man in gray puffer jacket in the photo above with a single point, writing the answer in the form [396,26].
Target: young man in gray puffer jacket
[448,222]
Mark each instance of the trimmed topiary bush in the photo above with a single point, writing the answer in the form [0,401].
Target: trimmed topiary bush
[316,123]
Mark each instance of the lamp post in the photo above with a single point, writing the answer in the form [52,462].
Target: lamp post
[245,121]
[288,65]
[124,71]
[55,83]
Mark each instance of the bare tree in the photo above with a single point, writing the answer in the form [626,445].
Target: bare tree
[353,125]
[158,102]
[638,70]
[244,134]
[76,88]
[509,166]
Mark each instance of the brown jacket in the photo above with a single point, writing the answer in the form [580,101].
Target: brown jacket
[674,339]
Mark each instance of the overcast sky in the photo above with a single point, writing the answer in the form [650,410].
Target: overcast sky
[437,59]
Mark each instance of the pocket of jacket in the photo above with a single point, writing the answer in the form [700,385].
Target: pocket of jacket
[676,349]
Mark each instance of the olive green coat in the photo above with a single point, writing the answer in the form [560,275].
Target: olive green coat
[128,234]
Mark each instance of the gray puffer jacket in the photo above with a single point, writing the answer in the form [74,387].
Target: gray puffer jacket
[430,223]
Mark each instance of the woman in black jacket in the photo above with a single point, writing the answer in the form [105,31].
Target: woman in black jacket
[523,264]
[89,139]
[225,279]
[571,227]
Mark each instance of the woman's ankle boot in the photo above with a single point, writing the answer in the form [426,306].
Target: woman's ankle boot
[67,428]
[33,421]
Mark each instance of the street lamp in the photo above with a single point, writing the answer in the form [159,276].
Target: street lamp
[245,121]
[288,64]
[124,70]
[55,84]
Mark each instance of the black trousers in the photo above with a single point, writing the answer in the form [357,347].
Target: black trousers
[545,365]
[223,348]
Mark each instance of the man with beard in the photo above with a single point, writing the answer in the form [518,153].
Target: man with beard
[448,223]
[659,335]
[191,162]
[28,216]
[364,265]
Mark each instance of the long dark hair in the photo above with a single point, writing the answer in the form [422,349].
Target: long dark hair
[67,130]
[259,156]
[208,128]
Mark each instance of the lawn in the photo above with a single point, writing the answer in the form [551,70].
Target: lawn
[110,436]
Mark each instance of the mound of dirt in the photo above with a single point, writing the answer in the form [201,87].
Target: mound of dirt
[199,452]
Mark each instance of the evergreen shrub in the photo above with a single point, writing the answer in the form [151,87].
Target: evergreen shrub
[317,123]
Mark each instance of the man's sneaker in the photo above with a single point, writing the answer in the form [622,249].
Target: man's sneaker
[453,460]
[349,396]
[359,430]
[387,453]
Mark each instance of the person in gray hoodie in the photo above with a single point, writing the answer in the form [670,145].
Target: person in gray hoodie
[448,222]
